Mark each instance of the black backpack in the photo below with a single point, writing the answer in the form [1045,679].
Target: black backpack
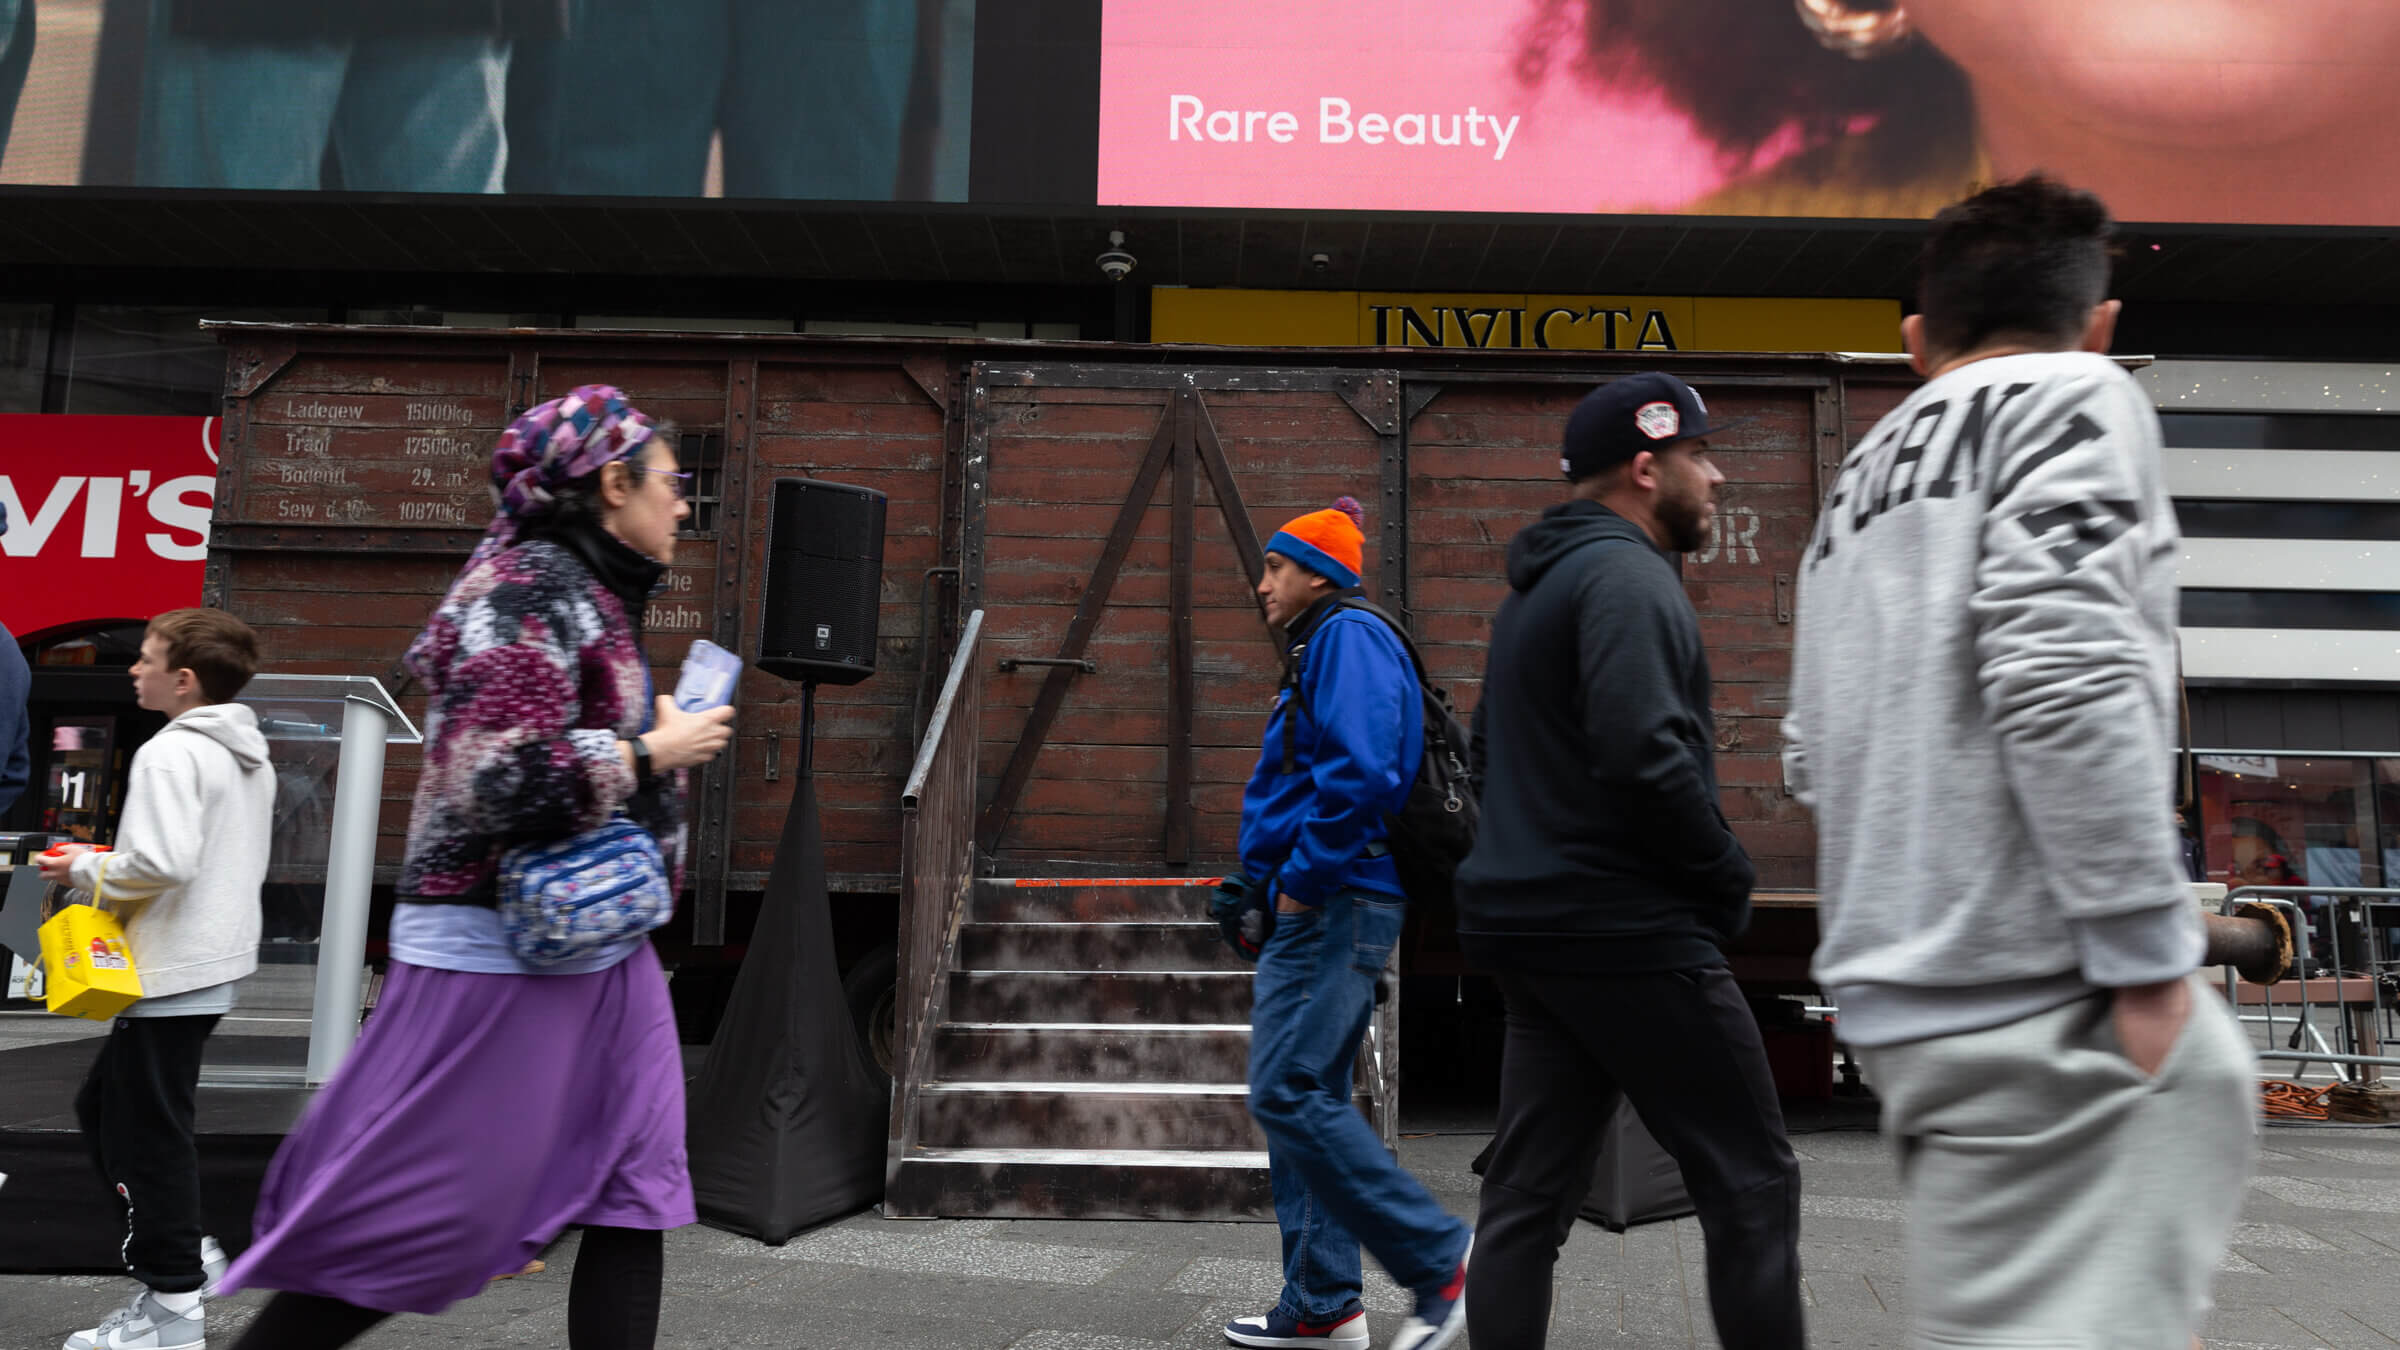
[1435,827]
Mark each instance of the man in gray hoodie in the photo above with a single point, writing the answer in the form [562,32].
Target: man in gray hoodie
[1983,718]
[190,855]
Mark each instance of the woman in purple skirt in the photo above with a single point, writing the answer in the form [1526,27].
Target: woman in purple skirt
[490,1104]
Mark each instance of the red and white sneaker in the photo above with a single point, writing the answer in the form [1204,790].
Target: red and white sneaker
[1441,1315]
[1345,1330]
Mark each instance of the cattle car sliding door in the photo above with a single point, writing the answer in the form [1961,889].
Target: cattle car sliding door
[1114,519]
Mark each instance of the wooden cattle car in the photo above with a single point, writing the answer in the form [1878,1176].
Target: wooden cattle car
[1101,507]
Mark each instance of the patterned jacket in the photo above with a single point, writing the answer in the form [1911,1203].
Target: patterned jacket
[534,673]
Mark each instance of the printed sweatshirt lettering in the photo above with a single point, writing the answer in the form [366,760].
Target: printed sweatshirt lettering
[1355,750]
[191,852]
[1983,704]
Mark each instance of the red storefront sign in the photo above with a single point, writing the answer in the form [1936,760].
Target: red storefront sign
[107,517]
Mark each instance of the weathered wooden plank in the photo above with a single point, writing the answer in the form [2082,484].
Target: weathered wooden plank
[1087,617]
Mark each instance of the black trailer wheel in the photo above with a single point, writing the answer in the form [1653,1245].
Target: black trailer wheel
[871,988]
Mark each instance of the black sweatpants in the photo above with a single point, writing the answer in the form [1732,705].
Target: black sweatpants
[136,1109]
[1684,1048]
[612,1302]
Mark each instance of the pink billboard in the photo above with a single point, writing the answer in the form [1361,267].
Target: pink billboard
[2197,111]
[1354,104]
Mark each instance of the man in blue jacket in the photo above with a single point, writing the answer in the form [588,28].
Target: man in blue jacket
[1340,753]
[1604,884]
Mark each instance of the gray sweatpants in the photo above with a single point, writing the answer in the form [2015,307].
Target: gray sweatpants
[2058,1198]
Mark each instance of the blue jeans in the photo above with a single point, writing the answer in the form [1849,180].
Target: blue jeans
[397,114]
[808,95]
[16,57]
[1336,1186]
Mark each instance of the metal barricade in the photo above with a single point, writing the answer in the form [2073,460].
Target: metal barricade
[2353,985]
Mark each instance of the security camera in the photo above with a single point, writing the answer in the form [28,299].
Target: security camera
[1318,262]
[1116,264]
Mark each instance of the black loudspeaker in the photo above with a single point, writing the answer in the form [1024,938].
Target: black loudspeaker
[824,581]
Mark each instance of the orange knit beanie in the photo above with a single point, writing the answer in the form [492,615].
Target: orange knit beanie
[1329,543]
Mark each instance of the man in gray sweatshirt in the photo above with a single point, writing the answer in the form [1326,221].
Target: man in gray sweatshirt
[1983,719]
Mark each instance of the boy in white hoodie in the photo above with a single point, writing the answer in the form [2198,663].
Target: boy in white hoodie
[184,876]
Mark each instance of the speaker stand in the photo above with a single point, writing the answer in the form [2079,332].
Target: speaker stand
[787,1121]
[808,730]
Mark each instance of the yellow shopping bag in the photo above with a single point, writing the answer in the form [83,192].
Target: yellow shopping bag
[86,969]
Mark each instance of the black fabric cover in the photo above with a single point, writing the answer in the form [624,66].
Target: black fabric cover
[1635,1183]
[787,1121]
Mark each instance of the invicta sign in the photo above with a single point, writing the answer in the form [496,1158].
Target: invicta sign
[1518,326]
[1600,323]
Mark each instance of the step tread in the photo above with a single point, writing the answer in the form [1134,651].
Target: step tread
[1097,883]
[1050,926]
[1089,1088]
[1112,1028]
[1095,1157]
[1108,974]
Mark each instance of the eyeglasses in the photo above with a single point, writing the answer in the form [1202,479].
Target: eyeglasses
[677,481]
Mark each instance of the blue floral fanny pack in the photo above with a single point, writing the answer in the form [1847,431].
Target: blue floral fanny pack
[573,897]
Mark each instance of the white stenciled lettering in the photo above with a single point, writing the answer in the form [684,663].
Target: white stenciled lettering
[325,412]
[312,475]
[674,619]
[439,412]
[1732,537]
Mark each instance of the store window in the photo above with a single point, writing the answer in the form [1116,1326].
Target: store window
[153,359]
[2387,818]
[24,356]
[2289,820]
[2308,820]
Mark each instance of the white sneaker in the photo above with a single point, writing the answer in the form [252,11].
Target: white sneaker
[1441,1315]
[145,1324]
[213,1261]
[1346,1330]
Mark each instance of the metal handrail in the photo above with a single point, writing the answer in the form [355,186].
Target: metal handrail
[937,874]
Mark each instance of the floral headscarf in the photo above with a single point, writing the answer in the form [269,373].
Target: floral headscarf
[549,445]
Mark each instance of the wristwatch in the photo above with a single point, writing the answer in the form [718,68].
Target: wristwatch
[642,773]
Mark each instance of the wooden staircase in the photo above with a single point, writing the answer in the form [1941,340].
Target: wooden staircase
[1072,1048]
[1091,1062]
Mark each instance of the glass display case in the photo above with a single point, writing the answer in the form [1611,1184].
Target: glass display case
[296,1017]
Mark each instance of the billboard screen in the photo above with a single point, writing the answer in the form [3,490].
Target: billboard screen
[859,100]
[2218,112]
[2203,111]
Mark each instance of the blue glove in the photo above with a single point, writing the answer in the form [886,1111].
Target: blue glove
[1245,922]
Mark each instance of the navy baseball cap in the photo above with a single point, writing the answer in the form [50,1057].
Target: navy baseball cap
[1622,418]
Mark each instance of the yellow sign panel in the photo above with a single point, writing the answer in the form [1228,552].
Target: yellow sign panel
[1593,323]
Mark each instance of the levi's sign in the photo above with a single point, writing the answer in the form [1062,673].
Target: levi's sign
[107,516]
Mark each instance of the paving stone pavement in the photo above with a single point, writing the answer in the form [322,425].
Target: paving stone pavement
[2315,1263]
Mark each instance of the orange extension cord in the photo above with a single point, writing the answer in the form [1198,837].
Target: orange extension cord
[2285,1100]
